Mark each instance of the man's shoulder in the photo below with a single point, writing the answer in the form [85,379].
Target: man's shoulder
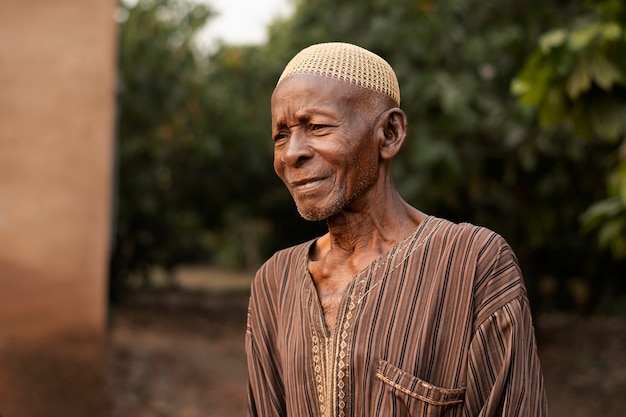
[295,253]
[478,246]
[474,235]
[497,278]
[284,262]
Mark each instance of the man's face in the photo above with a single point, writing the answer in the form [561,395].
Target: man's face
[324,151]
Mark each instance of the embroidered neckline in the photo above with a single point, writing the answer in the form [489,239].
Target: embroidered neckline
[331,350]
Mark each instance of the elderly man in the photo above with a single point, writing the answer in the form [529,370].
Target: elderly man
[392,312]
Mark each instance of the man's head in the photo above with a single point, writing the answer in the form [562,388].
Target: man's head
[336,126]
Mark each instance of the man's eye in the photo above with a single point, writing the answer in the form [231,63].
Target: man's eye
[317,127]
[279,136]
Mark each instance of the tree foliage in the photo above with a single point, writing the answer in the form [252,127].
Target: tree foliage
[577,77]
[163,139]
[195,173]
[192,178]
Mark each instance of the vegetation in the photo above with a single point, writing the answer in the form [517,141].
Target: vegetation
[195,177]
[577,77]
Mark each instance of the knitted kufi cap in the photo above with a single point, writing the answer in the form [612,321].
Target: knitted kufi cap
[346,62]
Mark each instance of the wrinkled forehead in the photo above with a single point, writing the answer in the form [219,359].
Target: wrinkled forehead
[347,63]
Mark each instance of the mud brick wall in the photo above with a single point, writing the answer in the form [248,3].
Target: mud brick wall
[57,97]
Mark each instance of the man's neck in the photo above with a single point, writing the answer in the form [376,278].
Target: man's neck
[354,240]
[360,236]
[380,225]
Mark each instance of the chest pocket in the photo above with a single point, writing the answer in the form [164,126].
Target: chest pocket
[403,391]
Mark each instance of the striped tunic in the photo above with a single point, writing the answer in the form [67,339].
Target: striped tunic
[438,326]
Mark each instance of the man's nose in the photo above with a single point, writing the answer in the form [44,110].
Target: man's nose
[297,150]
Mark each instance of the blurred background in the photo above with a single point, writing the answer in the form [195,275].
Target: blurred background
[137,194]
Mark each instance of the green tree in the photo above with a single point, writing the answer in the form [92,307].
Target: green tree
[195,182]
[577,77]
[195,174]
[161,138]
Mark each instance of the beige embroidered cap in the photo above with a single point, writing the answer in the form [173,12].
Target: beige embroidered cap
[346,62]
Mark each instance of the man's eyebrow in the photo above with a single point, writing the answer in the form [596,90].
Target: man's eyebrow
[308,113]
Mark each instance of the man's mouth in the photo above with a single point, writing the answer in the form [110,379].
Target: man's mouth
[307,184]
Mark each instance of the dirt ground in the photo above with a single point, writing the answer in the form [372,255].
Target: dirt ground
[177,354]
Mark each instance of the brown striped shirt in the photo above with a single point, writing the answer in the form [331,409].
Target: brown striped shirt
[439,325]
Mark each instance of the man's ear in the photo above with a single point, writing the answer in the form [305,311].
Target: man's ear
[392,130]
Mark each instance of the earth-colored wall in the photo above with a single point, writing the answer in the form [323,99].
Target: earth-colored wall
[57,86]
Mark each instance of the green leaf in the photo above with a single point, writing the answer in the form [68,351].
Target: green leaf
[579,80]
[617,183]
[611,230]
[553,107]
[603,72]
[611,31]
[581,38]
[599,211]
[552,39]
[533,81]
[519,87]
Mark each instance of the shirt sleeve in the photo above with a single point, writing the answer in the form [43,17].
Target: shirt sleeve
[265,387]
[504,374]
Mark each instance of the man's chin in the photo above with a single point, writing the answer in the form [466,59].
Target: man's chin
[315,210]
[312,215]
[316,214]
